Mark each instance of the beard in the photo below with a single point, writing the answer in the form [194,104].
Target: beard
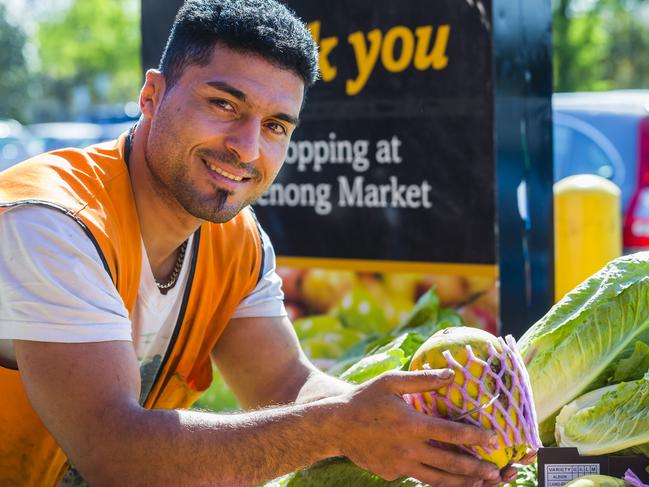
[171,173]
[170,176]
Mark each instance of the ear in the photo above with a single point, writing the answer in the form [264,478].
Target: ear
[152,92]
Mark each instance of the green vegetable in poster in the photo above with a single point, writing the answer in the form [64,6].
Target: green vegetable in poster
[315,325]
[360,310]
[330,344]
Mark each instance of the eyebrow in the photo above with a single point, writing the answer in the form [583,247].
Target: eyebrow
[240,95]
[228,88]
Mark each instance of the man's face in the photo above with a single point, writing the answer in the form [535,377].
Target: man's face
[219,136]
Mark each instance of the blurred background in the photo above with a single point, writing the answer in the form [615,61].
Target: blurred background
[66,62]
[70,73]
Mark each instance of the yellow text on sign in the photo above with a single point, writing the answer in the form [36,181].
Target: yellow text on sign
[397,49]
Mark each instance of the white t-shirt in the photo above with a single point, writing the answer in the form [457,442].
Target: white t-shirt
[54,288]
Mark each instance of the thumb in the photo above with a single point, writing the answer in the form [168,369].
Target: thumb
[418,381]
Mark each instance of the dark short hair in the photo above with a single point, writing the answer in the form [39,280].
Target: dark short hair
[266,28]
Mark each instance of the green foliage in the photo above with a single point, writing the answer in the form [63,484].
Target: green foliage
[580,45]
[14,74]
[628,63]
[600,47]
[527,476]
[95,44]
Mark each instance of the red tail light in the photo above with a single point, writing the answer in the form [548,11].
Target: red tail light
[636,223]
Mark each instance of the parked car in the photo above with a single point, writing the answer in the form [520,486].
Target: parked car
[113,130]
[607,133]
[15,143]
[57,135]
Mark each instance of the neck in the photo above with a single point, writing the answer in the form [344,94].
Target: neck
[164,224]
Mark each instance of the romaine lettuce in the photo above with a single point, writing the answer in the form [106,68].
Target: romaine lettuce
[576,346]
[607,420]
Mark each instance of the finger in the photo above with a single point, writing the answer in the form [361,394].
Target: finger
[457,463]
[458,433]
[509,474]
[528,458]
[417,381]
[438,478]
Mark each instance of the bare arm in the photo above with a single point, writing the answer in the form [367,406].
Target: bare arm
[261,360]
[86,394]
[92,411]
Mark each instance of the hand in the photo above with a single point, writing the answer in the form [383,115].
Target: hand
[510,472]
[381,433]
[528,458]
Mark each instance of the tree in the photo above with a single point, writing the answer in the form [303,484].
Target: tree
[14,75]
[602,46]
[628,60]
[92,47]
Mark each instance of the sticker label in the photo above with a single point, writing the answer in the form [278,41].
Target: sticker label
[559,474]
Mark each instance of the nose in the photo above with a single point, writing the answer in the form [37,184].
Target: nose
[243,139]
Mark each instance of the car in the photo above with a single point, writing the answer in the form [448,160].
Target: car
[607,133]
[113,130]
[57,135]
[15,143]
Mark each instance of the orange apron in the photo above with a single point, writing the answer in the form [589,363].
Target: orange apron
[93,187]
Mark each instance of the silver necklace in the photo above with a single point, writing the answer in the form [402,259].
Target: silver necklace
[176,272]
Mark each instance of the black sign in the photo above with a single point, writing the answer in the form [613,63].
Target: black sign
[394,157]
[429,130]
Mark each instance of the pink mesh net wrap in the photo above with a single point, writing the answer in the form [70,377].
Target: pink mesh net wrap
[503,373]
[632,479]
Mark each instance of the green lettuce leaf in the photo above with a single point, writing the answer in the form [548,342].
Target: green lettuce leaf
[391,356]
[607,420]
[397,352]
[527,476]
[572,349]
[426,310]
[596,481]
[338,472]
[633,367]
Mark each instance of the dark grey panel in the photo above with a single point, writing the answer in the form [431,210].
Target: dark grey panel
[523,120]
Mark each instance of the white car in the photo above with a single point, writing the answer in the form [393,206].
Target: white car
[57,135]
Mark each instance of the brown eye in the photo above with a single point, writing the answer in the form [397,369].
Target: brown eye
[222,104]
[277,128]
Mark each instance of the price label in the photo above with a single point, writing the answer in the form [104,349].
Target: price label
[559,474]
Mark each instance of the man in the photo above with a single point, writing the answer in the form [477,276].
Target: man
[124,266]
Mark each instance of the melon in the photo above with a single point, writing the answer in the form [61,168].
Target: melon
[485,366]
